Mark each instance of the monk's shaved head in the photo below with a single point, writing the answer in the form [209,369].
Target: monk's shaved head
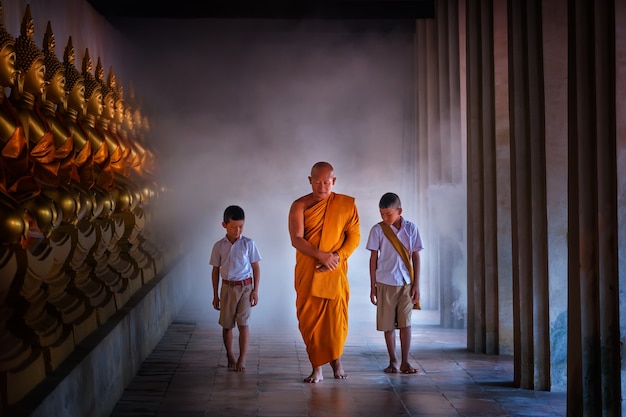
[322,165]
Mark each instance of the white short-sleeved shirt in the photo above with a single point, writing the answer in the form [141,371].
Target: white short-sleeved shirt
[391,269]
[235,259]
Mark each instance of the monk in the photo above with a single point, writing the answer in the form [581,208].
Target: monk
[324,229]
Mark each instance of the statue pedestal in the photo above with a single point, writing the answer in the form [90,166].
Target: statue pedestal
[136,283]
[106,310]
[121,298]
[61,350]
[85,327]
[21,381]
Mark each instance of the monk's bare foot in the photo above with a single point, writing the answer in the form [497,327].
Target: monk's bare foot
[315,377]
[407,369]
[338,371]
[232,363]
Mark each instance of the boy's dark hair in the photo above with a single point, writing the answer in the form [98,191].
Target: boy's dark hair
[233,213]
[389,200]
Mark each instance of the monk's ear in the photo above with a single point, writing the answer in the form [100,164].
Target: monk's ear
[310,180]
[334,179]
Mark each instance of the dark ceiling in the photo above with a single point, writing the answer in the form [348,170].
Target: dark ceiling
[266,9]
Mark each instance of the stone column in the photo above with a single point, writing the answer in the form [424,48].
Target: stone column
[482,323]
[528,193]
[593,385]
[429,282]
[440,165]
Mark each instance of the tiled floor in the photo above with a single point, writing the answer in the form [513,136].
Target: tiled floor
[186,375]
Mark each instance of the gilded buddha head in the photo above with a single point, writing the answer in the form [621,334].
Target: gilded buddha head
[55,74]
[7,57]
[29,59]
[108,100]
[118,97]
[93,89]
[74,81]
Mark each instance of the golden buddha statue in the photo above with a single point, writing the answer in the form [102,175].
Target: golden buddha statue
[77,202]
[105,253]
[43,283]
[93,110]
[123,189]
[84,281]
[13,159]
[75,199]
[43,164]
[17,355]
[73,106]
[134,214]
[131,156]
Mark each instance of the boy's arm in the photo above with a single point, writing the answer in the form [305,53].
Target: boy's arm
[373,265]
[415,289]
[215,278]
[256,277]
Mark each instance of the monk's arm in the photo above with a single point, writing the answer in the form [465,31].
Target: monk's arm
[296,232]
[352,236]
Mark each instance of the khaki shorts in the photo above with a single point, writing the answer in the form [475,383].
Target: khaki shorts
[234,306]
[394,307]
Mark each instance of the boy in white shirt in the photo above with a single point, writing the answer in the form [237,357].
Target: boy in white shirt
[236,258]
[394,244]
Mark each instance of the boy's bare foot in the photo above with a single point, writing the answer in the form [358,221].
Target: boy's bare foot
[315,377]
[232,363]
[391,369]
[338,369]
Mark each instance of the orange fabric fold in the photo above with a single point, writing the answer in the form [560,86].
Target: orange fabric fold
[45,164]
[17,178]
[331,225]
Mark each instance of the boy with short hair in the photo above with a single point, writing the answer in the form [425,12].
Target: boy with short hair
[236,258]
[394,244]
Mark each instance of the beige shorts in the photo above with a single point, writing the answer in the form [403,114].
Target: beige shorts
[234,306]
[393,307]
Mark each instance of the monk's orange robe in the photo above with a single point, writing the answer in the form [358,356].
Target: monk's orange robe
[331,225]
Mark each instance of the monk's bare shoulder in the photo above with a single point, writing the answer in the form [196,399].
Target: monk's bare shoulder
[302,203]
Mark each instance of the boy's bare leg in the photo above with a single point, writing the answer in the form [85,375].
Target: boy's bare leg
[227,335]
[316,375]
[338,369]
[243,348]
[390,340]
[405,346]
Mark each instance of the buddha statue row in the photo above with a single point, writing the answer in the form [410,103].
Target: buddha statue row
[76,179]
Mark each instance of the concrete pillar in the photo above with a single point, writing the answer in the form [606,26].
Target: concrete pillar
[429,280]
[593,387]
[440,165]
[528,192]
[451,189]
[481,189]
